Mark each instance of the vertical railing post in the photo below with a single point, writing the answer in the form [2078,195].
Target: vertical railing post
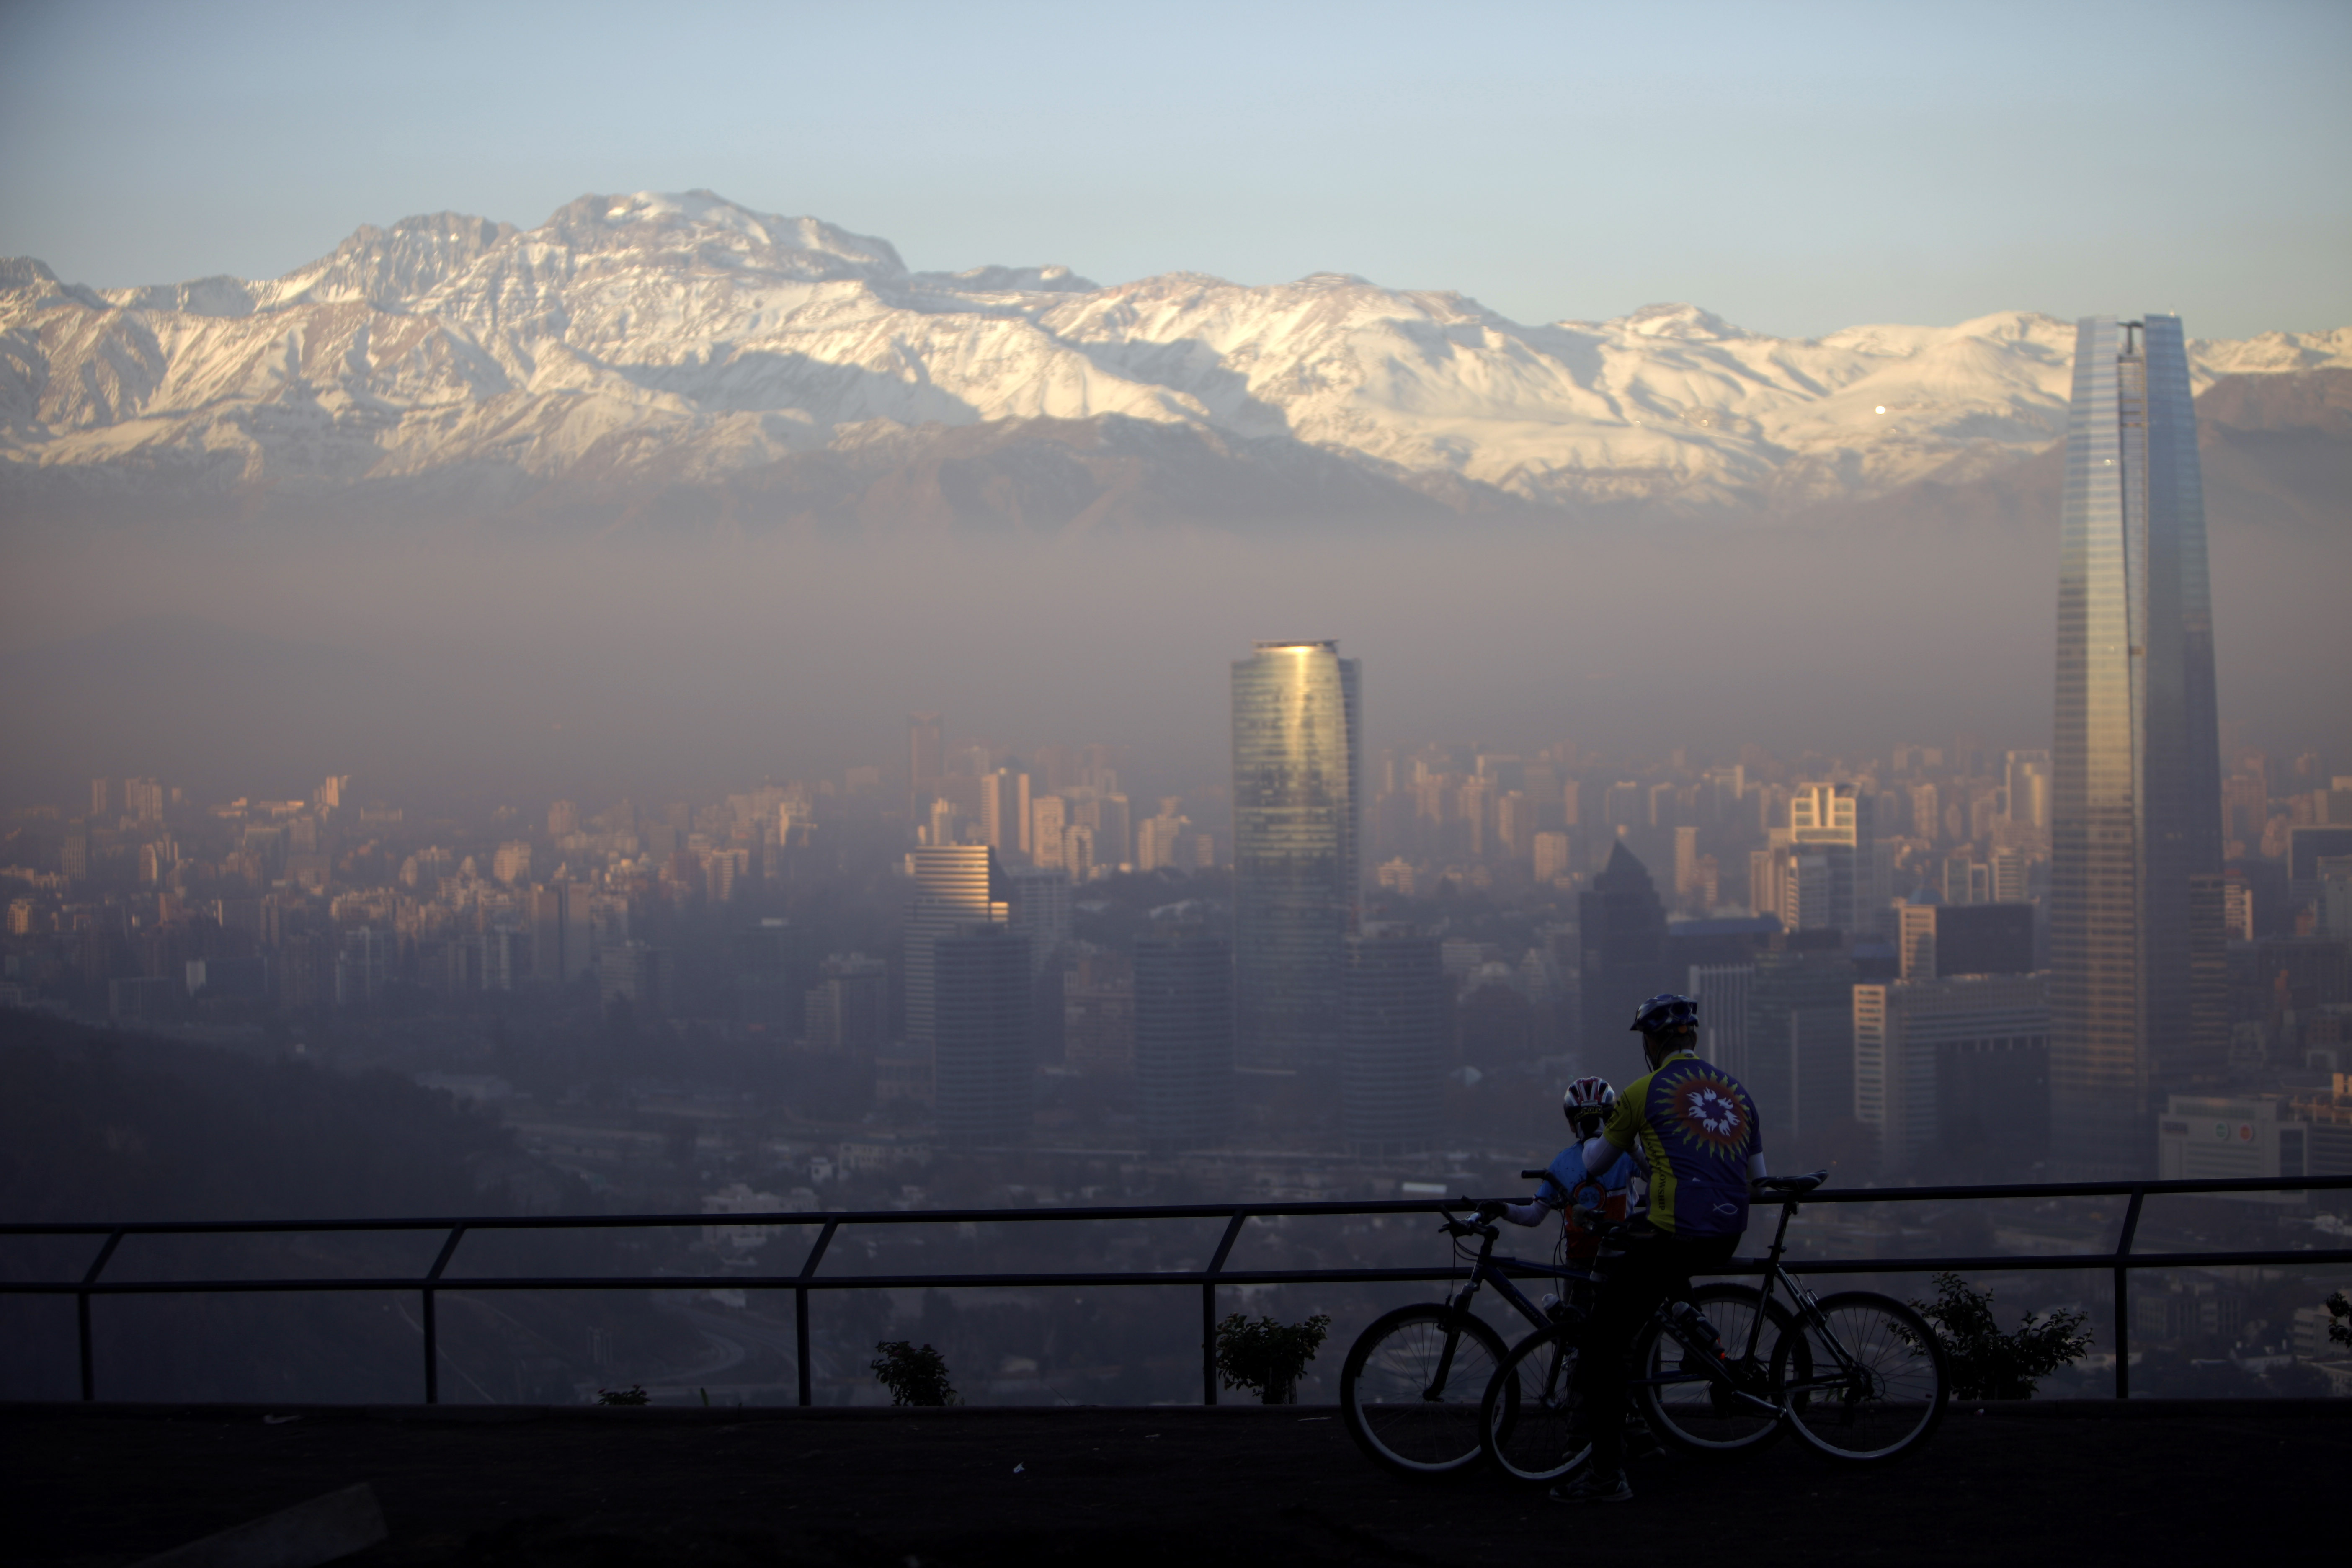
[2122,1294]
[1209,1307]
[432,1317]
[82,1314]
[800,1308]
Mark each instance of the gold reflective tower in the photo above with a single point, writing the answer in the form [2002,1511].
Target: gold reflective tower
[1297,823]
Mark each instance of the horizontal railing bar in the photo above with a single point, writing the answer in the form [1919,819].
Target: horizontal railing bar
[2041,1261]
[1122,1212]
[673,1221]
[740,1282]
[2036,1262]
[2072,1190]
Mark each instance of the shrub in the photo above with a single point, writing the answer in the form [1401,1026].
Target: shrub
[1986,1363]
[1265,1358]
[914,1375]
[2340,1318]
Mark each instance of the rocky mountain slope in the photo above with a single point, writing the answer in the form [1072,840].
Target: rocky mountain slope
[683,352]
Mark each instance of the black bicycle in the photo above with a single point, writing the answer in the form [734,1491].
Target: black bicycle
[1415,1382]
[1858,1375]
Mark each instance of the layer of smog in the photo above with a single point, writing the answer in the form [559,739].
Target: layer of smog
[447,666]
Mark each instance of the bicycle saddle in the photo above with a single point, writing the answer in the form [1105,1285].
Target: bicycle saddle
[1791,1187]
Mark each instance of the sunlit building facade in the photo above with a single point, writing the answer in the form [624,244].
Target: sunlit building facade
[1833,822]
[955,886]
[1297,826]
[2136,983]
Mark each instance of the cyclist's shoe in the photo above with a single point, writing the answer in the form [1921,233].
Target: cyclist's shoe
[1592,1485]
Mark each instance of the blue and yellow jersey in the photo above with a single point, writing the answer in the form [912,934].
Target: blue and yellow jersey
[1695,1128]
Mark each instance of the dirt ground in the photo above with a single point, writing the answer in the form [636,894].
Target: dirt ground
[106,1485]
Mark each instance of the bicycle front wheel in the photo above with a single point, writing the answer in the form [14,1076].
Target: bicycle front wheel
[1875,1386]
[1530,1425]
[1700,1408]
[1412,1386]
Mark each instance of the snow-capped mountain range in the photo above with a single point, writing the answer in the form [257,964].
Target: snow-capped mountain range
[658,342]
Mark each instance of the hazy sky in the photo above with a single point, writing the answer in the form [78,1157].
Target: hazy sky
[432,663]
[1794,168]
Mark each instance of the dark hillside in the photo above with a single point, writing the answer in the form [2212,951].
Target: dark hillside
[97,1127]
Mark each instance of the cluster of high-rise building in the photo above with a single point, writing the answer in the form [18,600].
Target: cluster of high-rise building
[2078,957]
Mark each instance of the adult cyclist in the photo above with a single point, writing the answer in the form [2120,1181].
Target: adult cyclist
[1698,1134]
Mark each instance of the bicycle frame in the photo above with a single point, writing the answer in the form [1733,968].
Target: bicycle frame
[1808,1309]
[1488,1269]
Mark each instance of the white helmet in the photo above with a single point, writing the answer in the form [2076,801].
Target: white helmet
[1587,1098]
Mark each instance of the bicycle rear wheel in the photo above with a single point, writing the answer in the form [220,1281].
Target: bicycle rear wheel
[1530,1424]
[1875,1387]
[1412,1386]
[1691,1407]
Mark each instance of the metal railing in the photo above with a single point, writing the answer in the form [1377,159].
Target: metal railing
[2121,1260]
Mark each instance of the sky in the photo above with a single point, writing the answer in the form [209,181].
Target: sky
[1794,168]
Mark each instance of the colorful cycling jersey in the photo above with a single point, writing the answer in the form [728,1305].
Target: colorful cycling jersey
[1695,1127]
[1590,1201]
[1566,1175]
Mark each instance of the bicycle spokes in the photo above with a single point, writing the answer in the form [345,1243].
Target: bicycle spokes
[1875,1386]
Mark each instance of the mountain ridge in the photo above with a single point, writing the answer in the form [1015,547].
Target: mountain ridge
[653,345]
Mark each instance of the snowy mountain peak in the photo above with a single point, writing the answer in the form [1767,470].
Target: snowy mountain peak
[1685,322]
[682,340]
[1010,280]
[714,230]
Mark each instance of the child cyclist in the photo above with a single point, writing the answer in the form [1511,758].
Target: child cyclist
[1585,1202]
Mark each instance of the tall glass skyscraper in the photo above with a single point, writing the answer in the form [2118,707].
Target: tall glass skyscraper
[1298,826]
[2135,942]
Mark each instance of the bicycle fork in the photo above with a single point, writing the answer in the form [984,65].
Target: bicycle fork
[1457,1302]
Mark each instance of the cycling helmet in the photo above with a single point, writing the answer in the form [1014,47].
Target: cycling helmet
[1586,1100]
[1665,1012]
